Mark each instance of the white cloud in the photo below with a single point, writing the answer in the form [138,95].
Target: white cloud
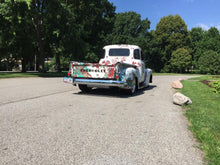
[203,26]
[218,27]
[207,27]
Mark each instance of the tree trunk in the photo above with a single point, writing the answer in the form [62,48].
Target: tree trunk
[37,22]
[24,62]
[6,64]
[58,62]
[40,47]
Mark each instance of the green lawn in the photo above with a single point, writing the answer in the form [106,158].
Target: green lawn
[204,117]
[31,74]
[206,77]
[175,74]
[62,74]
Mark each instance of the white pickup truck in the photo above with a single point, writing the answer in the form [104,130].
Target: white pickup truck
[121,66]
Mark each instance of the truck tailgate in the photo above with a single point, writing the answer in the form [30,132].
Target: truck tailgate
[91,70]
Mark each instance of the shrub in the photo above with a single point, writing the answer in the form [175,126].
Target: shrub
[216,86]
[180,60]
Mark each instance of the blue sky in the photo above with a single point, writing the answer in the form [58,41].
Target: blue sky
[195,13]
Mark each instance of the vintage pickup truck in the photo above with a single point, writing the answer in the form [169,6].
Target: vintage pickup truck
[121,66]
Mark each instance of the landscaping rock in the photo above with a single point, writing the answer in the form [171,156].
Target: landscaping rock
[180,99]
[177,84]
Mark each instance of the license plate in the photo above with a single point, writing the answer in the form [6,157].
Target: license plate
[68,80]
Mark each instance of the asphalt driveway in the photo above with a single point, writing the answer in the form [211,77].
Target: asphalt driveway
[44,121]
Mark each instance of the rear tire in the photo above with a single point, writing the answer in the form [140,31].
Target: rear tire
[151,79]
[134,87]
[84,88]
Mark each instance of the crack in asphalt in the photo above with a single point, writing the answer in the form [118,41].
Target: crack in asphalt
[31,98]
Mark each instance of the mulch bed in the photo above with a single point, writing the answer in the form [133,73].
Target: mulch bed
[206,82]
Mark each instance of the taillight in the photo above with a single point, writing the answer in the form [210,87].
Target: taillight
[117,77]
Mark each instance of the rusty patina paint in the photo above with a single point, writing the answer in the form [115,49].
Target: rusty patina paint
[91,70]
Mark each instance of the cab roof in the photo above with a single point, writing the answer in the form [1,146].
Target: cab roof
[122,46]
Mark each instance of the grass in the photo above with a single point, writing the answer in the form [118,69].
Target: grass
[206,77]
[204,117]
[174,74]
[62,74]
[31,74]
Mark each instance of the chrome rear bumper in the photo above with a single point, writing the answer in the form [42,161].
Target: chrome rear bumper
[104,83]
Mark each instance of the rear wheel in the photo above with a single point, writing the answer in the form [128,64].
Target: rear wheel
[134,87]
[151,78]
[84,88]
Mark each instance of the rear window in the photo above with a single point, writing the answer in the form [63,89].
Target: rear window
[119,52]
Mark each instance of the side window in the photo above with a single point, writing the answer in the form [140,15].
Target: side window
[103,53]
[137,54]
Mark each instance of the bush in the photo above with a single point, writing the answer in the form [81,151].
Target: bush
[209,62]
[180,60]
[216,86]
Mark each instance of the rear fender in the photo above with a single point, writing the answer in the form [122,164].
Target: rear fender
[131,74]
[148,76]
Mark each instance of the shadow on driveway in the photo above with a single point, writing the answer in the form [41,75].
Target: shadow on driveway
[114,92]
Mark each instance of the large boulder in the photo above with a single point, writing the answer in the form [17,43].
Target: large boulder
[177,84]
[180,99]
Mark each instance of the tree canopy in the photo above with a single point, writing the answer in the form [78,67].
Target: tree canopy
[171,33]
[73,29]
[33,31]
[128,28]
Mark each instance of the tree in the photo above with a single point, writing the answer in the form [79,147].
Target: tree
[6,34]
[94,20]
[55,30]
[209,62]
[16,41]
[206,40]
[211,40]
[171,33]
[180,60]
[128,29]
[153,52]
[37,14]
[197,35]
[23,28]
